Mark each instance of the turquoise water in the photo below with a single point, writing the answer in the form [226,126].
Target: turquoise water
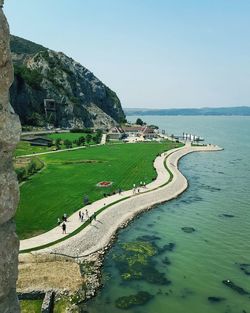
[218,184]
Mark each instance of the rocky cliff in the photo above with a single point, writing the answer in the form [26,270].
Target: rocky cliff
[9,193]
[80,99]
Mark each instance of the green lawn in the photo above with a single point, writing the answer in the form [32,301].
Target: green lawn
[70,175]
[31,306]
[69,136]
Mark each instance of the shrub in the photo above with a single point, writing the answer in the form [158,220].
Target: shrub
[21,174]
[68,144]
[82,130]
[31,77]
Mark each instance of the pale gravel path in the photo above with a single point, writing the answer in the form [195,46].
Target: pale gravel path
[98,235]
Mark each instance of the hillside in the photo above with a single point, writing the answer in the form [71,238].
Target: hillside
[226,111]
[80,98]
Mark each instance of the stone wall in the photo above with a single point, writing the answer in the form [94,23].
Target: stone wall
[9,192]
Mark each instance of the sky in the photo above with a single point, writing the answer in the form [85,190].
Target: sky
[152,53]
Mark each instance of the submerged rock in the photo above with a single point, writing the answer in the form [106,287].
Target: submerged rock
[150,225]
[215,299]
[226,215]
[166,261]
[168,247]
[148,238]
[236,288]
[188,230]
[245,268]
[135,262]
[127,302]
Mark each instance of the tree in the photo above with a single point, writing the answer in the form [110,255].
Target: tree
[139,122]
[31,169]
[96,139]
[68,144]
[81,141]
[58,143]
[88,138]
[21,174]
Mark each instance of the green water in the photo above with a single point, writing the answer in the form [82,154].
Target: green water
[219,184]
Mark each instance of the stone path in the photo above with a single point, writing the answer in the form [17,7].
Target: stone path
[104,139]
[97,235]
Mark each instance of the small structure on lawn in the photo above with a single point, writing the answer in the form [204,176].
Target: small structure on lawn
[116,133]
[149,133]
[144,131]
[39,141]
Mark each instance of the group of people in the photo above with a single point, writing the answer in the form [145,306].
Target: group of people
[83,216]
[142,185]
[63,221]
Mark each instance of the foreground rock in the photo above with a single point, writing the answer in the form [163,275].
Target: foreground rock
[9,195]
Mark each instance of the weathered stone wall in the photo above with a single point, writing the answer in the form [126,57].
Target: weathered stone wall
[9,192]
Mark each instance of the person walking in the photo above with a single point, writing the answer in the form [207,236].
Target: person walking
[65,217]
[58,221]
[80,215]
[87,214]
[64,228]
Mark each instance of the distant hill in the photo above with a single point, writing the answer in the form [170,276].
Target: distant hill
[80,99]
[227,111]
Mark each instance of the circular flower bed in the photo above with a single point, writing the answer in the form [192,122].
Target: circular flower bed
[104,184]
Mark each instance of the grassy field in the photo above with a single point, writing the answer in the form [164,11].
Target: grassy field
[31,306]
[69,176]
[69,136]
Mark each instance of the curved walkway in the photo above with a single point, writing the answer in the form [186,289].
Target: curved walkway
[98,234]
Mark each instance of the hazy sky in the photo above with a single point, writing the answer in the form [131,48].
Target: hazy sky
[153,53]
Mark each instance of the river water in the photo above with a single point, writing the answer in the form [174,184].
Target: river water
[217,206]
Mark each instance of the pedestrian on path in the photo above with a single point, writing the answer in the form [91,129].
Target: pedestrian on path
[58,221]
[65,217]
[80,215]
[64,228]
[87,214]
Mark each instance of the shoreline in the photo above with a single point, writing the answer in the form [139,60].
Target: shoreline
[90,245]
[96,236]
